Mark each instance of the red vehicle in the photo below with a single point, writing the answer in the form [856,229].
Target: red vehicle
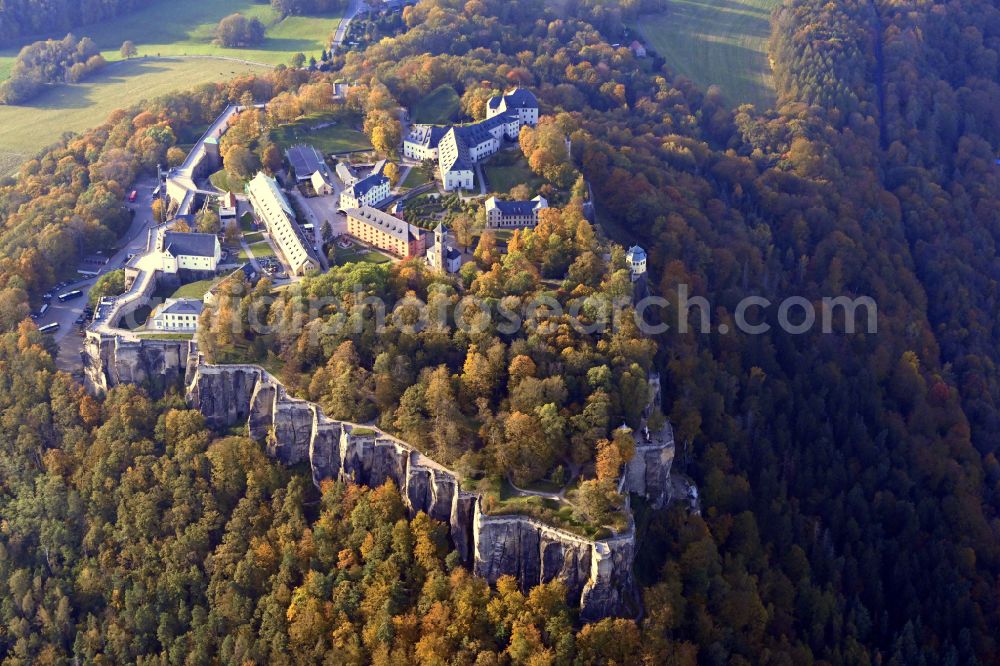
[133,196]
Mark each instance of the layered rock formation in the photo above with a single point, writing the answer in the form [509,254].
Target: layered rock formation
[648,472]
[597,573]
[109,360]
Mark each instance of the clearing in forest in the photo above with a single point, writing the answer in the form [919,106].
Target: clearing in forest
[721,42]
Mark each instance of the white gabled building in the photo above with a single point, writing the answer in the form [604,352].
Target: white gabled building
[272,207]
[504,214]
[369,191]
[345,174]
[181,251]
[177,314]
[422,142]
[454,162]
[321,186]
[519,101]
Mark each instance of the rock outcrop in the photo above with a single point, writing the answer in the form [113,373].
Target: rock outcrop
[597,573]
[648,472]
[110,360]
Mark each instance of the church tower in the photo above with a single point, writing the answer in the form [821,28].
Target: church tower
[439,248]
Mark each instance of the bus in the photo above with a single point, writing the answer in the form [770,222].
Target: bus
[70,295]
[49,328]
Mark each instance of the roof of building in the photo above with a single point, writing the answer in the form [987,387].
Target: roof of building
[518,98]
[262,184]
[378,168]
[228,200]
[454,153]
[319,179]
[635,253]
[452,253]
[519,208]
[305,160]
[428,136]
[344,172]
[189,306]
[476,133]
[393,226]
[367,184]
[189,244]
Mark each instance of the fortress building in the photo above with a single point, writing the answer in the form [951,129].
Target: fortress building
[272,207]
[506,214]
[457,148]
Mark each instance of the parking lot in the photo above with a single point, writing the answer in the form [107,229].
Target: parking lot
[72,315]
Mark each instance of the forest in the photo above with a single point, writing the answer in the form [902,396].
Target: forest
[132,534]
[849,482]
[28,18]
[67,60]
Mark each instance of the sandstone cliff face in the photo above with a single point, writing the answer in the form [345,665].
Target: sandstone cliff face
[110,360]
[597,574]
[648,472]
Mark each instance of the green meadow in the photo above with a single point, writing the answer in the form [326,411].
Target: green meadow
[187,27]
[717,42]
[25,130]
[163,34]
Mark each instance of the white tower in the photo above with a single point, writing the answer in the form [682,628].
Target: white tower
[437,260]
[636,258]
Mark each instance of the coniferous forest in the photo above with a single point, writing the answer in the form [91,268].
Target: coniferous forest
[849,482]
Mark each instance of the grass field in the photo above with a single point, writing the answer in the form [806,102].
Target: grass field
[222,181]
[502,179]
[356,254]
[260,249]
[721,42]
[24,130]
[187,27]
[337,137]
[178,28]
[195,289]
[415,178]
[439,107]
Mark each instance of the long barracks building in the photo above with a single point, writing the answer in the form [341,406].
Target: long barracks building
[272,207]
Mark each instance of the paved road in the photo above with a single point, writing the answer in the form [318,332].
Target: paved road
[133,241]
[352,10]
[319,210]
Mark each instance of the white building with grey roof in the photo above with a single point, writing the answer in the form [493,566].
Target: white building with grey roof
[519,101]
[273,208]
[502,214]
[180,251]
[369,191]
[176,315]
[457,148]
